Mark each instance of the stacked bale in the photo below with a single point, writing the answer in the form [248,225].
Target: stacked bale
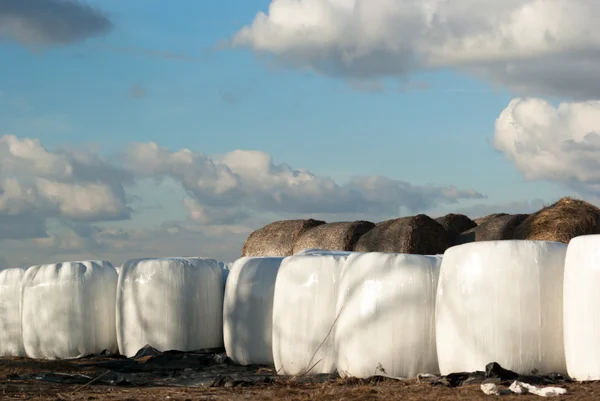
[341,236]
[455,224]
[483,219]
[493,228]
[560,222]
[278,238]
[418,234]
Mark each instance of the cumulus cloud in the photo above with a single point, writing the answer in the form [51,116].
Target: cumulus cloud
[545,47]
[230,184]
[50,22]
[559,144]
[37,184]
[71,202]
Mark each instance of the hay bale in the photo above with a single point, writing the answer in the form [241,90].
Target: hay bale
[456,223]
[277,238]
[418,234]
[340,236]
[501,227]
[560,222]
[482,220]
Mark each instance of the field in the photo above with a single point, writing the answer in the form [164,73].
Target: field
[21,379]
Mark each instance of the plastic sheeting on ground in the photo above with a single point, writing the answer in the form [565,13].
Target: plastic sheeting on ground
[248,310]
[386,315]
[501,301]
[68,309]
[11,338]
[582,308]
[170,304]
[304,314]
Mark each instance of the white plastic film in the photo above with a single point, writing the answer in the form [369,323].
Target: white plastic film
[582,308]
[386,315]
[68,309]
[170,304]
[317,251]
[501,301]
[248,310]
[304,314]
[11,338]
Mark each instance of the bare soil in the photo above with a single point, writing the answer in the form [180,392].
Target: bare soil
[18,382]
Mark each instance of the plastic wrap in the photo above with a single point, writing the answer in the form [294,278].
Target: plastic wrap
[304,314]
[225,270]
[170,304]
[582,308]
[68,309]
[11,339]
[501,301]
[248,310]
[386,315]
[317,251]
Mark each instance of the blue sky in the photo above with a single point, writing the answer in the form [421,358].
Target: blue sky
[159,75]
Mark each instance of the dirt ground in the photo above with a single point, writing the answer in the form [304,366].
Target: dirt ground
[19,380]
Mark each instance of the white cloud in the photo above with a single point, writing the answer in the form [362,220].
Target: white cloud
[37,184]
[559,144]
[539,46]
[70,203]
[249,180]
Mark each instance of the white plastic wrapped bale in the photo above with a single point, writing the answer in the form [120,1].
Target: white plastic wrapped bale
[304,314]
[170,304]
[248,310]
[501,301]
[68,309]
[11,339]
[386,315]
[582,308]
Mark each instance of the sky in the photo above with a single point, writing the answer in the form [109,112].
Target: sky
[139,129]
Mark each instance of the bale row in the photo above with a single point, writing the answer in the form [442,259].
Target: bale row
[420,234]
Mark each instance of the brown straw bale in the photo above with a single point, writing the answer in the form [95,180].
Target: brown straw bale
[456,223]
[339,236]
[482,220]
[561,221]
[277,238]
[493,229]
[418,234]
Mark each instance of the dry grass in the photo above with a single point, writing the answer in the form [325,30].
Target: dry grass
[282,389]
[418,234]
[357,390]
[562,221]
[278,238]
[340,236]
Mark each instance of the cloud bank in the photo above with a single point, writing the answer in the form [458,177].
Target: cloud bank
[533,46]
[63,200]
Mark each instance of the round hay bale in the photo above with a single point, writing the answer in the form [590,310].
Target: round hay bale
[501,227]
[482,220]
[560,222]
[277,238]
[340,236]
[418,234]
[456,223]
